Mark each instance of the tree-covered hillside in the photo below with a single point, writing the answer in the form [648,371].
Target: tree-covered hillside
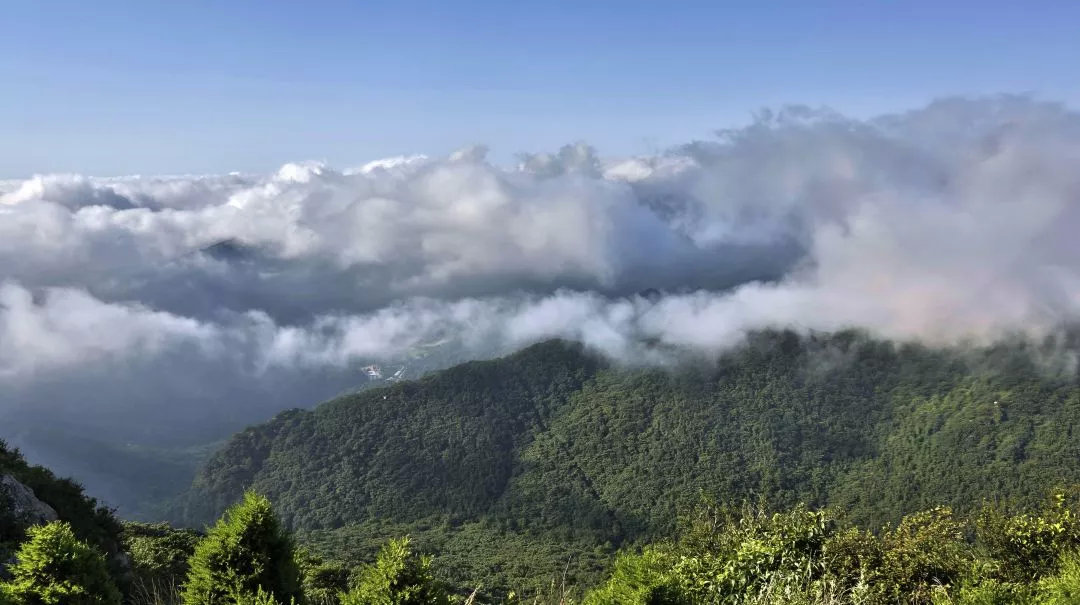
[558,449]
[886,473]
[392,453]
[580,457]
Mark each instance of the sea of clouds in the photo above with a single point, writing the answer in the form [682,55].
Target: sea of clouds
[191,300]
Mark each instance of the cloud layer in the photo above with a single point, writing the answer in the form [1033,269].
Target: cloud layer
[215,300]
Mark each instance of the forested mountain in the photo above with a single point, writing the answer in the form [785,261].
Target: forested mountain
[551,458]
[795,469]
[78,554]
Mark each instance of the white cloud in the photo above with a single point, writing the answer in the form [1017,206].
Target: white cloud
[67,327]
[953,222]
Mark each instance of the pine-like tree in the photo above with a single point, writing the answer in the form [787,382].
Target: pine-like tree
[54,567]
[397,577]
[246,553]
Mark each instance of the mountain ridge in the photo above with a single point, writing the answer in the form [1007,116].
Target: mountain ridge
[584,456]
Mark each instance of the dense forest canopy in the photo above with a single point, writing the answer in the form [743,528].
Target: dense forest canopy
[557,448]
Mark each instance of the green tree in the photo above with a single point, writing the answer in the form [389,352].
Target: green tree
[259,597]
[246,552]
[925,551]
[640,579]
[1028,544]
[1063,587]
[55,568]
[159,557]
[397,577]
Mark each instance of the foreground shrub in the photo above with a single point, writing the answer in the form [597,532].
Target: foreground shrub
[259,597]
[397,577]
[989,591]
[797,557]
[725,557]
[54,567]
[927,550]
[1027,545]
[642,578]
[1062,588]
[247,553]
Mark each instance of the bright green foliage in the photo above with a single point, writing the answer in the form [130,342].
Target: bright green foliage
[644,578]
[748,553]
[725,557]
[397,577]
[259,597]
[1028,544]
[1063,588]
[802,558]
[56,568]
[988,591]
[926,550]
[245,552]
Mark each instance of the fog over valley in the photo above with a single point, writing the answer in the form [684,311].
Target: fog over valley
[161,313]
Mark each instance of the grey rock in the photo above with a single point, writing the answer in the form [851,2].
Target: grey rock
[24,505]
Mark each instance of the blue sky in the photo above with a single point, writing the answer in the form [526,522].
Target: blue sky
[114,87]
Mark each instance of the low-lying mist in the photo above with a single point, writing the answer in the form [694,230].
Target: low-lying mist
[178,308]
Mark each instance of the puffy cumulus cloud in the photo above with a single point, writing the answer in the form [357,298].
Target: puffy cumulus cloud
[403,227]
[953,222]
[70,191]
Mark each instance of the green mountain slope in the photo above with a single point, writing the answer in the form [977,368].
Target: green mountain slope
[393,452]
[554,444]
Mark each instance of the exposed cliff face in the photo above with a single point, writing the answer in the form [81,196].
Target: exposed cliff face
[22,504]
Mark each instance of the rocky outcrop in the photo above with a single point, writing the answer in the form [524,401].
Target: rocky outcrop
[23,504]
